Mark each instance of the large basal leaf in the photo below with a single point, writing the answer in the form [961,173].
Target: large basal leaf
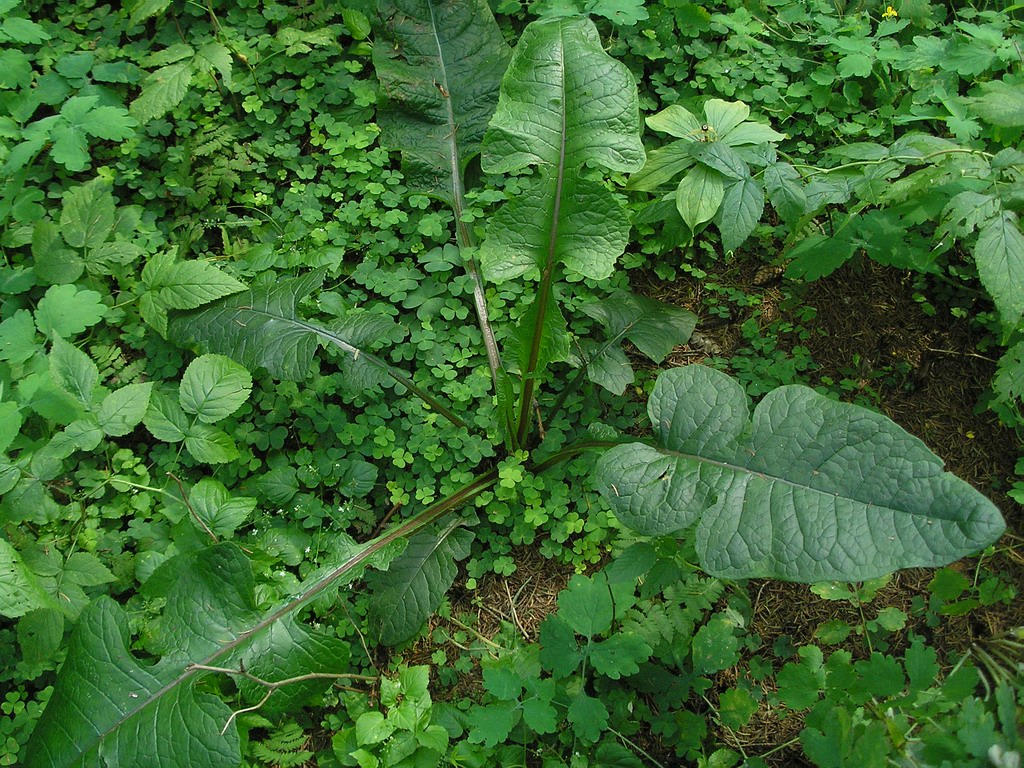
[809,489]
[653,327]
[262,327]
[109,709]
[564,104]
[440,66]
[410,590]
[999,254]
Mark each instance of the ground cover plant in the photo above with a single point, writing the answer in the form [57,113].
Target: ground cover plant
[311,312]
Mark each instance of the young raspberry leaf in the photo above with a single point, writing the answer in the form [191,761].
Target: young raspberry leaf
[73,371]
[122,410]
[214,387]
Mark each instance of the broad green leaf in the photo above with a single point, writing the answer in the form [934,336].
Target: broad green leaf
[699,195]
[108,708]
[722,158]
[662,165]
[144,9]
[20,591]
[587,605]
[187,284]
[210,445]
[564,104]
[785,191]
[18,340]
[165,418]
[73,371]
[748,132]
[1009,380]
[724,116]
[55,263]
[162,91]
[217,508]
[715,647]
[550,334]
[1001,103]
[653,327]
[40,634]
[410,590]
[88,214]
[592,232]
[741,209]
[214,387]
[259,327]
[620,655]
[808,490]
[625,13]
[588,716]
[123,409]
[677,121]
[66,311]
[819,256]
[440,65]
[10,424]
[559,652]
[999,254]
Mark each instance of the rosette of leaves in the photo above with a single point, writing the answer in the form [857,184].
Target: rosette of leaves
[715,154]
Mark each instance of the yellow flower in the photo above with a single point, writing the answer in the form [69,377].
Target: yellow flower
[890,13]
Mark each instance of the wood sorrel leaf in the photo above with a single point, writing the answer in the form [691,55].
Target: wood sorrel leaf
[808,489]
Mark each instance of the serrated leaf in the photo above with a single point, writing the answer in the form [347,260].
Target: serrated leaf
[123,409]
[559,651]
[1001,103]
[785,191]
[165,418]
[1009,380]
[407,593]
[18,337]
[87,215]
[588,716]
[818,256]
[86,570]
[162,91]
[653,327]
[214,387]
[715,647]
[741,209]
[144,9]
[218,509]
[999,254]
[73,371]
[699,195]
[66,311]
[187,284]
[809,490]
[210,445]
[620,655]
[538,713]
[55,263]
[490,725]
[586,605]
[20,591]
[735,708]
